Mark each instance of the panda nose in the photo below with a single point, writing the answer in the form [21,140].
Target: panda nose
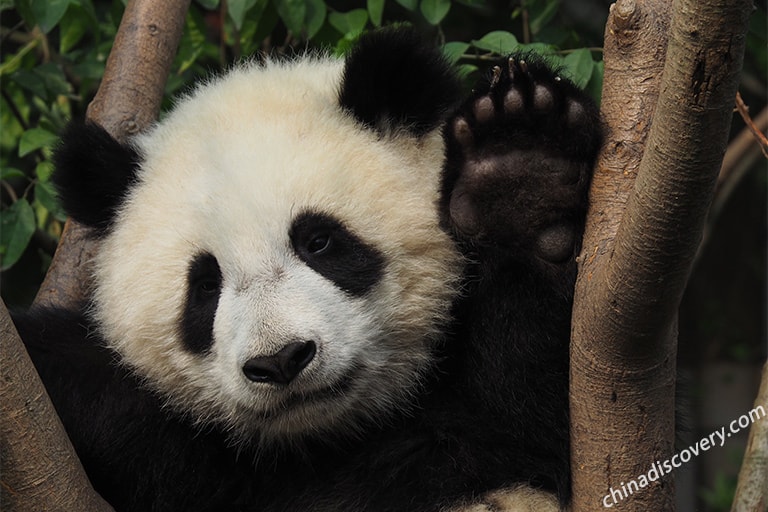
[282,367]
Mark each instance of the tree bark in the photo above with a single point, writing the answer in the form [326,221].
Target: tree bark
[127,102]
[40,469]
[752,488]
[634,266]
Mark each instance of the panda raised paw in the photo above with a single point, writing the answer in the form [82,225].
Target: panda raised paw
[520,155]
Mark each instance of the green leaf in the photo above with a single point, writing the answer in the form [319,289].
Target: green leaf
[409,4]
[44,170]
[250,40]
[34,139]
[48,13]
[192,42]
[465,70]
[29,80]
[208,4]
[78,21]
[25,11]
[7,173]
[541,18]
[498,41]
[237,10]
[541,49]
[595,86]
[343,46]
[316,12]
[73,28]
[454,50]
[292,12]
[268,20]
[580,66]
[45,195]
[349,23]
[435,10]
[376,11]
[17,225]
[46,81]
[14,62]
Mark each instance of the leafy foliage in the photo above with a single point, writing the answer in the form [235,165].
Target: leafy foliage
[54,52]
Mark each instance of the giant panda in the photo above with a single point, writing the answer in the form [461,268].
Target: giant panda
[328,285]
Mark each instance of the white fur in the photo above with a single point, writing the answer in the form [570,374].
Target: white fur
[520,498]
[226,172]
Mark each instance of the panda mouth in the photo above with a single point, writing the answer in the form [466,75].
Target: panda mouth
[299,399]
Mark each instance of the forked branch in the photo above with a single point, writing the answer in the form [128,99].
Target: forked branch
[633,271]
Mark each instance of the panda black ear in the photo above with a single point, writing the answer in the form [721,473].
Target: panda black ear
[93,174]
[393,78]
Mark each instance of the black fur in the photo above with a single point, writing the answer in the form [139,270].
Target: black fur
[393,80]
[493,410]
[331,250]
[203,290]
[93,174]
[137,455]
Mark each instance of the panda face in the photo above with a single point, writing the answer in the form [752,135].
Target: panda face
[276,267]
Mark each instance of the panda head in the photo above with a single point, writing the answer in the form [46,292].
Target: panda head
[271,258]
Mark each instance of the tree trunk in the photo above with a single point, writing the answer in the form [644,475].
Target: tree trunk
[752,489]
[40,469]
[634,266]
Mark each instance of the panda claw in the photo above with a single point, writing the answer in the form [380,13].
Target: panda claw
[496,77]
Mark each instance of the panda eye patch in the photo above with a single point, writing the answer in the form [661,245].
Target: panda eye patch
[329,248]
[203,289]
[204,276]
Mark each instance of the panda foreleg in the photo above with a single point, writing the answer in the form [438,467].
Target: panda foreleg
[520,152]
[515,499]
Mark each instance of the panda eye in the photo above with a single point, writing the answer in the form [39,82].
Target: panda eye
[208,286]
[319,243]
[204,277]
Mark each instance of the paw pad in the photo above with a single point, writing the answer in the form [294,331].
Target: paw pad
[520,152]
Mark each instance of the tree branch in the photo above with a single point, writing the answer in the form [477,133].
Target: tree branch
[40,468]
[127,102]
[759,136]
[630,285]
